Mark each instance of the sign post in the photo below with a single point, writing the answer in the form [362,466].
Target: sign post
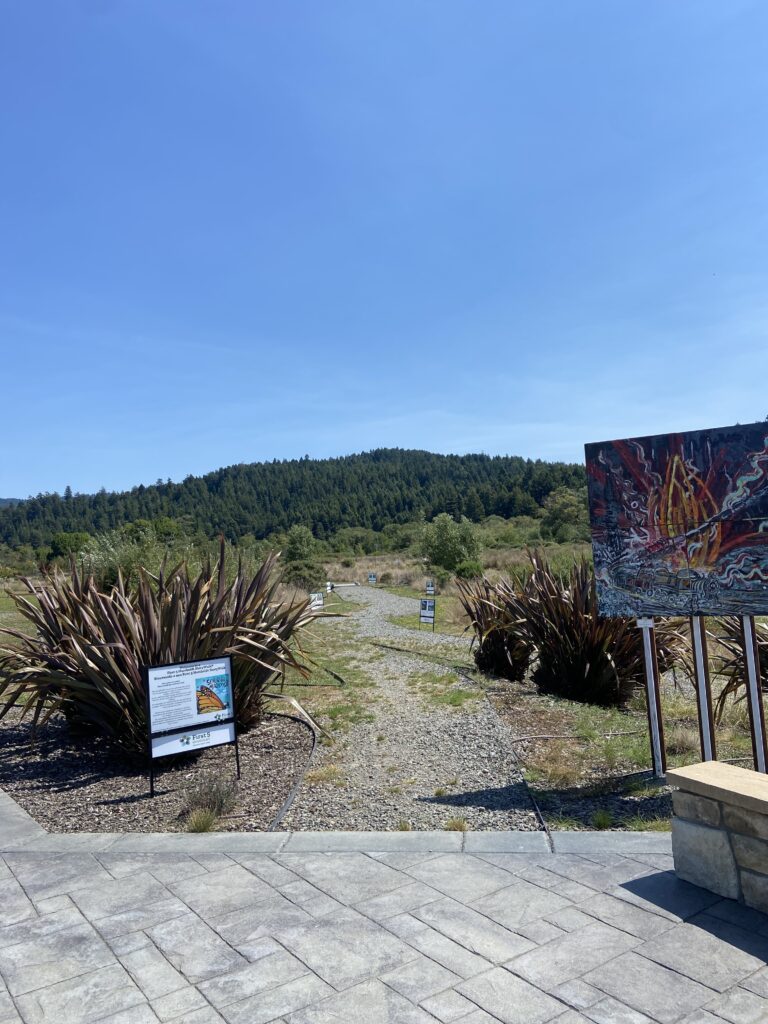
[427,612]
[653,701]
[703,689]
[190,706]
[754,694]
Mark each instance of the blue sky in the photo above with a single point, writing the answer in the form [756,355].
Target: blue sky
[236,231]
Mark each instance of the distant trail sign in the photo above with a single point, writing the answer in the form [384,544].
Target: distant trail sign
[372,579]
[430,588]
[316,600]
[190,706]
[427,612]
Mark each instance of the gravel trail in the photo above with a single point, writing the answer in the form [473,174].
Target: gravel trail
[417,762]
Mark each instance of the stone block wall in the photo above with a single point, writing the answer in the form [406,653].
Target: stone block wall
[720,830]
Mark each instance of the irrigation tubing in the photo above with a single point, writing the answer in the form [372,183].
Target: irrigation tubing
[288,802]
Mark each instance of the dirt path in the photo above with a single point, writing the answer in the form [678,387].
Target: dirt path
[434,749]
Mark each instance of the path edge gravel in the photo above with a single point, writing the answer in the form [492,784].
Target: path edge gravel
[20,832]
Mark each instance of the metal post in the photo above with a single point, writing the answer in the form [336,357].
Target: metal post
[652,698]
[754,695]
[703,689]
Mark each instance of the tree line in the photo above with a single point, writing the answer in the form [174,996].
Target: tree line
[369,490]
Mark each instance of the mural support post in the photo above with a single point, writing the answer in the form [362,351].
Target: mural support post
[652,697]
[754,694]
[703,689]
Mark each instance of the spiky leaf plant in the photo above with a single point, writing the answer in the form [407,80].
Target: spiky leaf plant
[727,644]
[580,654]
[552,622]
[501,645]
[84,653]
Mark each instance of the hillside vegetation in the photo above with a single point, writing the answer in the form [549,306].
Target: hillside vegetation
[370,491]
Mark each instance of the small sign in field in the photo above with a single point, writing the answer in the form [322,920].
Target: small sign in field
[372,579]
[430,588]
[317,600]
[190,706]
[427,612]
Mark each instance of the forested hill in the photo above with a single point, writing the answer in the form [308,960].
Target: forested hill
[388,485]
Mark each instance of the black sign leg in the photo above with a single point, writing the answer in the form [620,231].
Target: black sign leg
[237,754]
[151,778]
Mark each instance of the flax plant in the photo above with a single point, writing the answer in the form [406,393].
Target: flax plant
[85,649]
[574,652]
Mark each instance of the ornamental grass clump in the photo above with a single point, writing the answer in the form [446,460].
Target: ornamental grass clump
[501,647]
[729,659]
[552,621]
[84,652]
[581,654]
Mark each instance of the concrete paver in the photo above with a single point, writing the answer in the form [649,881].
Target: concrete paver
[355,928]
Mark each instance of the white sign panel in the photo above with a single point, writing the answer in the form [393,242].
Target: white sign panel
[190,695]
[430,586]
[427,611]
[372,578]
[328,587]
[316,600]
[196,739]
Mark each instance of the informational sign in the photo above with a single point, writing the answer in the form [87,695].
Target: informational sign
[427,612]
[680,522]
[190,707]
[328,586]
[372,579]
[430,589]
[316,600]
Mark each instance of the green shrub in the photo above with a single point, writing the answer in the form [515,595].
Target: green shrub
[307,575]
[300,545]
[201,820]
[469,570]
[211,793]
[84,654]
[446,543]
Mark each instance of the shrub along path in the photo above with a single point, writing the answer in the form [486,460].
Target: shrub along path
[428,752]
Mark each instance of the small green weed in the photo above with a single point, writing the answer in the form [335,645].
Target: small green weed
[201,820]
[602,819]
[456,825]
[210,793]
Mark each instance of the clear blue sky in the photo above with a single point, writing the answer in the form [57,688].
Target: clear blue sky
[244,230]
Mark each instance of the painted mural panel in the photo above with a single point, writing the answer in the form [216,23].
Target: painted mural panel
[680,522]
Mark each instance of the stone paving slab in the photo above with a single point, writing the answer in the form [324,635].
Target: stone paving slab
[356,928]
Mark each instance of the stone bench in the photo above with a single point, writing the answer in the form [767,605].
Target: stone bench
[720,830]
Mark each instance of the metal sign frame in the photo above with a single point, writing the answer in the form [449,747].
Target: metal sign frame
[428,605]
[186,729]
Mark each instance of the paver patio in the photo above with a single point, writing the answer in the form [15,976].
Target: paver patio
[366,928]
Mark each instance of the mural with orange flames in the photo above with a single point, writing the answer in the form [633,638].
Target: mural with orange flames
[680,522]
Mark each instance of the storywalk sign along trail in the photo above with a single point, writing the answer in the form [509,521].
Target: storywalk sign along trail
[430,588]
[190,706]
[679,526]
[427,612]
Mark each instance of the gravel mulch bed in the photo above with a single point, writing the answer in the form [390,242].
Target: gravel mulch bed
[85,785]
[386,773]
